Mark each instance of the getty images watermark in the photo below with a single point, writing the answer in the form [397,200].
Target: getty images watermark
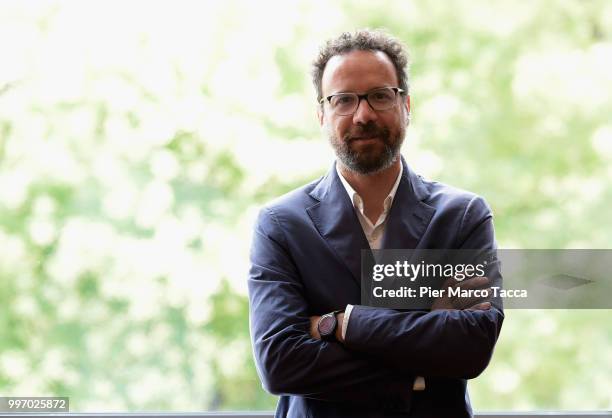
[530,279]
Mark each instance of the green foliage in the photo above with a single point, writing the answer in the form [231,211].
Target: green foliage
[133,162]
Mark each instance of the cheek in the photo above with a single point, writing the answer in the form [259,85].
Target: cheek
[328,128]
[398,122]
[337,126]
[343,125]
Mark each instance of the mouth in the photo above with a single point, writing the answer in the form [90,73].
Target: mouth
[366,138]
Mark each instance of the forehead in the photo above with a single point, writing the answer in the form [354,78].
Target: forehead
[358,71]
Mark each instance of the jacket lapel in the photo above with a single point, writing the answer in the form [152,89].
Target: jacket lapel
[335,218]
[409,215]
[337,222]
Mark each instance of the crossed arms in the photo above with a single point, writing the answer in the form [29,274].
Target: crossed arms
[384,349]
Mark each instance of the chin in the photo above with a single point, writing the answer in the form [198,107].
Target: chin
[369,167]
[373,164]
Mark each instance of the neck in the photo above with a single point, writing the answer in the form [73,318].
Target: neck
[373,188]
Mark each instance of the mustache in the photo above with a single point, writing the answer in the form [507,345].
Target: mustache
[367,131]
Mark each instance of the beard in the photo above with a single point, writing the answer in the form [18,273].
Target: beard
[371,157]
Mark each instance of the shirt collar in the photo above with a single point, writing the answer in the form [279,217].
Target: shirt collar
[358,201]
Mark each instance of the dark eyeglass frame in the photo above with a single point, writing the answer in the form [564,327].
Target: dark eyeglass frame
[364,96]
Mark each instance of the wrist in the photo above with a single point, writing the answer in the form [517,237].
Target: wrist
[314,328]
[340,327]
[328,326]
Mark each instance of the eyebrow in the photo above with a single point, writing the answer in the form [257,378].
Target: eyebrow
[349,91]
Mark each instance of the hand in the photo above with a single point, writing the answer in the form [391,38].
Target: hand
[464,303]
[314,330]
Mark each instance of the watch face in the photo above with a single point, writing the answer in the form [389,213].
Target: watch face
[327,324]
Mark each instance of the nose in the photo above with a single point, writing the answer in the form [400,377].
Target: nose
[364,113]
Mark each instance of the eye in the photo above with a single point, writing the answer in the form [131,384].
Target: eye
[342,100]
[380,96]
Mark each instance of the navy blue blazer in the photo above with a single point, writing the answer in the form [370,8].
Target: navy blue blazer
[305,260]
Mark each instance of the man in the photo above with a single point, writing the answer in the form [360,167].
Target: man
[305,273]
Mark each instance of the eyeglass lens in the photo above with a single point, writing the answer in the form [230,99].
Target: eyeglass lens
[346,103]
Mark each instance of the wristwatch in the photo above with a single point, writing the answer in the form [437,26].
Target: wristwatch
[327,326]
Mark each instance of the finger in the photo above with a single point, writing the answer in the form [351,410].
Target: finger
[474,283]
[450,282]
[466,302]
[484,306]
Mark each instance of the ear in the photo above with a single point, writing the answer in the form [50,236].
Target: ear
[320,114]
[407,104]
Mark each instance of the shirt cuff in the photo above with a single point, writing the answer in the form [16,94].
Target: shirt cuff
[347,314]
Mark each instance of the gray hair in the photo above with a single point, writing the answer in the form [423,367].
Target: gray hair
[362,40]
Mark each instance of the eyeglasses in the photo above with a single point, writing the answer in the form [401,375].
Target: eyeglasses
[344,104]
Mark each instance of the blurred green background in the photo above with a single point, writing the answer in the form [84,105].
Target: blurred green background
[139,139]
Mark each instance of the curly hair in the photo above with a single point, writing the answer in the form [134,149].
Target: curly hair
[362,40]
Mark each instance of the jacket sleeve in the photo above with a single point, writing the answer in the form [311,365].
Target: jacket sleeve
[442,343]
[288,360]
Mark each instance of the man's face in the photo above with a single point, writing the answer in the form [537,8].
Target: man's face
[368,140]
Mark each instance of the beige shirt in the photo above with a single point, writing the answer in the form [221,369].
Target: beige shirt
[374,233]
